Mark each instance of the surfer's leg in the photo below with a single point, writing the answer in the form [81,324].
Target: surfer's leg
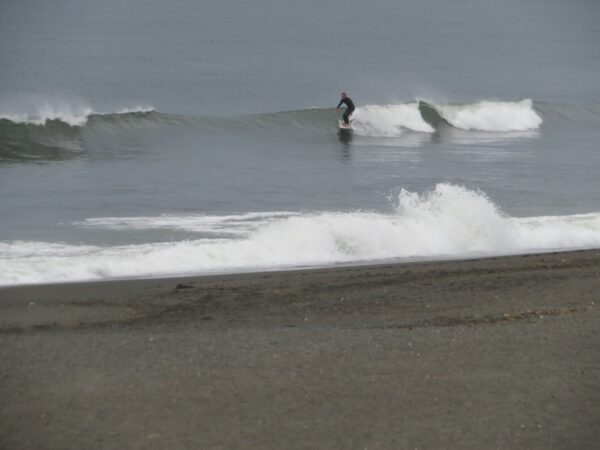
[346,114]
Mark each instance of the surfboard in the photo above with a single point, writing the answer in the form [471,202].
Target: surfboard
[343,126]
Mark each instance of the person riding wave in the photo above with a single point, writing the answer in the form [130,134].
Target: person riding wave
[349,107]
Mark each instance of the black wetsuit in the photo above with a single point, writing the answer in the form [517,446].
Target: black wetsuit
[349,108]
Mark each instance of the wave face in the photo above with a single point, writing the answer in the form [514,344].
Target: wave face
[448,221]
[55,132]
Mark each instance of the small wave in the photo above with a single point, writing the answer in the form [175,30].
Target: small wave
[69,115]
[53,133]
[487,115]
[448,221]
[370,120]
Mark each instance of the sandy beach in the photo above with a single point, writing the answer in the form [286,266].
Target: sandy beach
[489,353]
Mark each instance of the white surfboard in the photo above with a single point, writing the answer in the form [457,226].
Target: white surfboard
[343,126]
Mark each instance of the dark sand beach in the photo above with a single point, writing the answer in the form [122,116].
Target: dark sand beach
[490,353]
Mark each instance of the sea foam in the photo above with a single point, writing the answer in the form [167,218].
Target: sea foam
[447,221]
[491,115]
[389,120]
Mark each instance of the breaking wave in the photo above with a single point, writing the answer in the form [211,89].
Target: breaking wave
[56,131]
[373,120]
[74,116]
[389,120]
[489,115]
[424,117]
[448,221]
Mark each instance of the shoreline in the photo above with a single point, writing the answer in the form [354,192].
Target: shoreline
[333,267]
[488,352]
[357,264]
[35,304]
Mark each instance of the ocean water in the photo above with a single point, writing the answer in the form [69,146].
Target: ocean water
[147,138]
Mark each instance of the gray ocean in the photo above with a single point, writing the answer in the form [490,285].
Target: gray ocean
[149,138]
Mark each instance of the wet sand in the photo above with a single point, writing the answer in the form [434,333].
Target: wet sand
[491,353]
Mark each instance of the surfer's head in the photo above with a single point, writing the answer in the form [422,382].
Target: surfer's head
[343,95]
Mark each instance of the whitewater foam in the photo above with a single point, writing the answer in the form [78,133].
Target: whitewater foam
[491,115]
[448,221]
[134,110]
[488,116]
[69,115]
[389,120]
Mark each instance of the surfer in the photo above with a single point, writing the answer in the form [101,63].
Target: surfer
[349,107]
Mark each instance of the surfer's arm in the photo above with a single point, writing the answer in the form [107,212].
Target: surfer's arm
[339,104]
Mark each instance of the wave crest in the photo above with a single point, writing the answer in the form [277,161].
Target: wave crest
[75,116]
